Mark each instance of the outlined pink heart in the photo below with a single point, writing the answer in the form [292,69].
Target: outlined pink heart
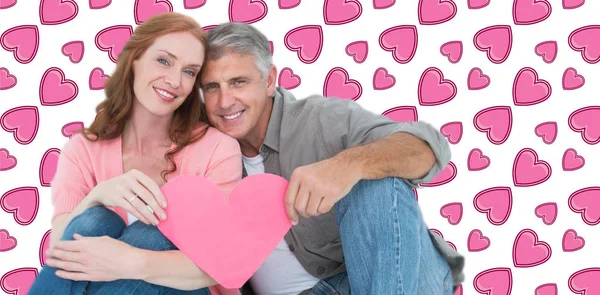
[338,84]
[112,40]
[547,289]
[529,12]
[528,89]
[477,4]
[494,281]
[434,12]
[402,114]
[401,41]
[587,41]
[7,4]
[586,201]
[585,281]
[495,41]
[528,170]
[7,80]
[434,89]
[7,161]
[529,251]
[55,89]
[247,11]
[97,79]
[496,122]
[18,281]
[477,242]
[306,41]
[571,80]
[547,50]
[445,176]
[99,4]
[289,80]
[496,203]
[571,242]
[477,161]
[383,4]
[437,232]
[23,122]
[48,166]
[145,9]
[572,4]
[56,12]
[547,131]
[74,51]
[22,202]
[477,79]
[70,129]
[339,12]
[459,290]
[358,50]
[547,212]
[44,245]
[22,41]
[382,79]
[453,212]
[586,121]
[453,131]
[7,242]
[453,50]
[271,47]
[571,161]
[193,4]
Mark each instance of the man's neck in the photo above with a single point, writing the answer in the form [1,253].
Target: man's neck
[251,143]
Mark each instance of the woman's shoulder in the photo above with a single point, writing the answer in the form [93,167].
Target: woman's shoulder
[79,144]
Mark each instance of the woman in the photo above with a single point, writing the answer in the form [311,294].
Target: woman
[106,190]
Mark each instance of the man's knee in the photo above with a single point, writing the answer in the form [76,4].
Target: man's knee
[144,236]
[94,222]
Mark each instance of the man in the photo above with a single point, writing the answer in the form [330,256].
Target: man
[357,226]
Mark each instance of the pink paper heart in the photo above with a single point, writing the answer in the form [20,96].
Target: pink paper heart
[571,241]
[496,41]
[547,212]
[445,176]
[288,4]
[22,202]
[74,50]
[358,50]
[402,114]
[586,201]
[97,79]
[7,81]
[496,122]
[7,242]
[477,80]
[528,89]
[48,166]
[585,281]
[22,41]
[339,12]
[7,161]
[572,4]
[193,4]
[477,241]
[338,84]
[547,131]
[112,40]
[571,161]
[145,9]
[586,121]
[528,251]
[248,11]
[23,122]
[529,12]
[433,12]
[434,89]
[587,41]
[401,41]
[382,79]
[496,203]
[494,281]
[453,50]
[547,50]
[55,12]
[571,80]
[18,281]
[288,80]
[547,289]
[55,89]
[453,131]
[477,160]
[528,170]
[477,4]
[99,4]
[383,4]
[453,212]
[306,41]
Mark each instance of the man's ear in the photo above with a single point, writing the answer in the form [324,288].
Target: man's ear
[271,80]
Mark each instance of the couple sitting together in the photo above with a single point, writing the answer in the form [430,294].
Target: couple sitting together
[183,101]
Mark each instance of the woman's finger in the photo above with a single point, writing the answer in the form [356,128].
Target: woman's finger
[125,204]
[145,210]
[153,197]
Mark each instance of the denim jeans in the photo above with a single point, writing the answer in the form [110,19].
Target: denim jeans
[386,243]
[100,221]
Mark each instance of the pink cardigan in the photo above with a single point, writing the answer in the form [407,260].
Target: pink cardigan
[83,164]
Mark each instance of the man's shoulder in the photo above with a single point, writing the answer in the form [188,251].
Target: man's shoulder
[313,104]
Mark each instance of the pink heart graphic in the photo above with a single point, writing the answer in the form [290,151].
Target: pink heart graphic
[571,161]
[99,4]
[547,212]
[586,121]
[288,80]
[383,4]
[477,161]
[547,131]
[495,202]
[18,281]
[306,41]
[571,241]
[7,242]
[97,79]
[145,9]
[358,50]
[23,122]
[528,170]
[528,251]
[496,122]
[401,41]
[571,80]
[453,212]
[339,12]
[248,11]
[547,50]
[453,131]
[7,161]
[113,39]
[48,166]
[459,290]
[193,4]
[402,114]
[55,12]
[546,289]
[494,281]
[55,89]
[288,4]
[434,12]
[338,84]
[585,281]
[587,41]
[22,41]
[445,176]
[271,47]
[434,89]
[528,89]
[382,79]
[453,50]
[7,81]
[529,12]
[70,129]
[8,4]
[496,41]
[477,80]
[477,241]
[572,4]
[74,50]
[586,201]
[477,4]
[22,202]
[44,245]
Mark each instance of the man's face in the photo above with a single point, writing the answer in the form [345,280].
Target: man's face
[237,98]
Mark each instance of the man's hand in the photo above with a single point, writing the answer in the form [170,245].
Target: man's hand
[314,189]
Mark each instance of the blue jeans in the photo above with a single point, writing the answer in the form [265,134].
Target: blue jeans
[100,221]
[387,246]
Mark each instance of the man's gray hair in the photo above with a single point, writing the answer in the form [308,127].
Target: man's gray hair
[240,38]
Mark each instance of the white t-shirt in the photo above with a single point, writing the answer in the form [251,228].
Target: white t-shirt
[281,273]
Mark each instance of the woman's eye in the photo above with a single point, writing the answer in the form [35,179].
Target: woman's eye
[162,61]
[191,73]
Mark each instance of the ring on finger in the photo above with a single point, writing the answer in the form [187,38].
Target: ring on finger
[150,209]
[134,196]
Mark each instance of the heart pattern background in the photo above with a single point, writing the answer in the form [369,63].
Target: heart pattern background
[509,83]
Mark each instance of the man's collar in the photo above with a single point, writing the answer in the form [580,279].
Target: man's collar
[274,126]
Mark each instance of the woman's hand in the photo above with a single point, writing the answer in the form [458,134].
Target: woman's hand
[135,192]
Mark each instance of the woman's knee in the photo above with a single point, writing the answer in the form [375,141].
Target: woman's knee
[145,236]
[94,222]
